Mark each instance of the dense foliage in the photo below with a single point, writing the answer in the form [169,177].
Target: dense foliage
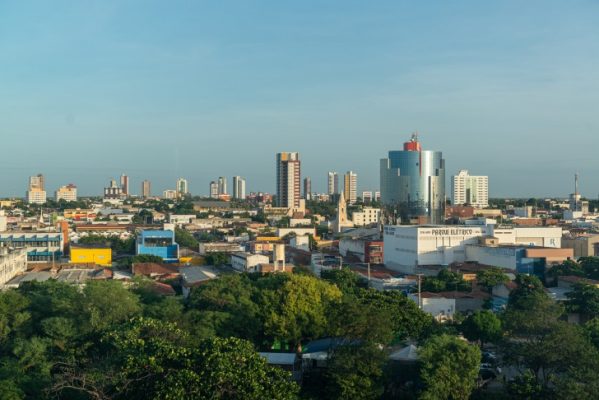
[118,245]
[107,341]
[446,281]
[186,239]
[110,341]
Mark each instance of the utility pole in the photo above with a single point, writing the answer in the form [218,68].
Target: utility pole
[420,291]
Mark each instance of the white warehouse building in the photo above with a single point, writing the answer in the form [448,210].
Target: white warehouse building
[408,247]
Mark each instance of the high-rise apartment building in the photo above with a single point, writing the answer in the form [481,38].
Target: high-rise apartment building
[170,194]
[288,180]
[125,185]
[366,197]
[414,180]
[146,189]
[238,188]
[36,192]
[182,187]
[333,183]
[37,182]
[307,188]
[114,191]
[214,190]
[222,185]
[350,187]
[468,189]
[67,193]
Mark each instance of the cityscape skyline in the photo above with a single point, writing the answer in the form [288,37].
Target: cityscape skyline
[449,182]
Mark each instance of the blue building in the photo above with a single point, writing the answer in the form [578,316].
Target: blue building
[414,180]
[158,243]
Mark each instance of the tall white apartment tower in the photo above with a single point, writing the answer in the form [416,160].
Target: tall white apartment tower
[333,183]
[222,185]
[182,187]
[214,190]
[146,189]
[288,180]
[350,187]
[238,188]
[472,190]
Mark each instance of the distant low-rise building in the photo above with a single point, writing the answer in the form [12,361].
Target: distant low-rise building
[521,259]
[435,304]
[584,245]
[181,219]
[79,214]
[88,254]
[368,216]
[246,261]
[282,232]
[366,250]
[220,247]
[40,246]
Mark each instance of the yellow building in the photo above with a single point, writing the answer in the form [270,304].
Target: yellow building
[91,255]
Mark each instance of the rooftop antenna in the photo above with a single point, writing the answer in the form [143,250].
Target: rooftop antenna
[414,136]
[576,184]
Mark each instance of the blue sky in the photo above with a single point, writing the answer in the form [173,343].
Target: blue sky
[200,89]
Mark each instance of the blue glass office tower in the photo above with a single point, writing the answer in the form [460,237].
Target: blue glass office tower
[413,180]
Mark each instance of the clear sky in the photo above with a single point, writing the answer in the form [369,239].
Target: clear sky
[200,89]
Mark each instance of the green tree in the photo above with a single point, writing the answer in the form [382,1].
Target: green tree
[590,266]
[363,322]
[107,303]
[186,239]
[230,301]
[218,259]
[155,361]
[483,326]
[529,288]
[404,316]
[568,267]
[445,281]
[118,245]
[592,330]
[355,372]
[449,368]
[346,280]
[584,299]
[491,277]
[298,311]
[140,258]
[52,299]
[13,313]
[525,387]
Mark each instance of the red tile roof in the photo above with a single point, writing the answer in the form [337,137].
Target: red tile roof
[153,269]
